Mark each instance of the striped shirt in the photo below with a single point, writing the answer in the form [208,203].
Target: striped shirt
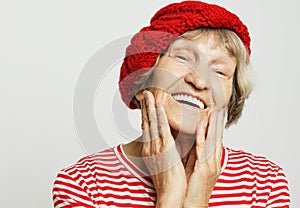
[110,179]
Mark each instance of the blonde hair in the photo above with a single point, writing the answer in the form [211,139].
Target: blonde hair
[242,86]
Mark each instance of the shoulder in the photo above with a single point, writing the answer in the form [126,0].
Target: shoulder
[244,160]
[90,161]
[101,163]
[74,185]
[247,173]
[89,168]
[79,180]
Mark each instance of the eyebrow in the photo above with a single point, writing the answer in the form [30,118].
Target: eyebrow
[222,59]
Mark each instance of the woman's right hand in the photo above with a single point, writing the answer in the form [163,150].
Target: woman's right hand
[160,155]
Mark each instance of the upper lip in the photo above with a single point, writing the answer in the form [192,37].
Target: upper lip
[194,96]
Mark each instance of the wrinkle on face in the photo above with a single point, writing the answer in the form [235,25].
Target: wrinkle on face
[207,63]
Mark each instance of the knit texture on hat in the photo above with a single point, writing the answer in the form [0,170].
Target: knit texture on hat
[169,22]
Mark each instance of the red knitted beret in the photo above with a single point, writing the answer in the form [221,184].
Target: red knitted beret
[169,22]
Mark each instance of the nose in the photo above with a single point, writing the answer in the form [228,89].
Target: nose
[195,80]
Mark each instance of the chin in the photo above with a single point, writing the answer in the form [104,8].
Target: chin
[184,119]
[184,129]
[183,115]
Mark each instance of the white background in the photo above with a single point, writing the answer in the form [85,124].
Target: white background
[45,44]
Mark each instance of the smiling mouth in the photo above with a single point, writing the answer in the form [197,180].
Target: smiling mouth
[189,100]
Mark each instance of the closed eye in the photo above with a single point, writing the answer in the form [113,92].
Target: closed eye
[181,58]
[221,73]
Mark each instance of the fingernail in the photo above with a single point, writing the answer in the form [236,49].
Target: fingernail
[145,95]
[144,92]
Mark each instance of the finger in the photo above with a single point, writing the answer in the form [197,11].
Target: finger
[220,130]
[163,125]
[220,125]
[209,146]
[145,123]
[190,164]
[166,139]
[215,135]
[201,140]
[200,135]
[212,129]
[146,138]
[151,114]
[168,156]
[155,144]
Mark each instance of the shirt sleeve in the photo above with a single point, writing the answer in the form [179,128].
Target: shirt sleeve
[68,193]
[279,195]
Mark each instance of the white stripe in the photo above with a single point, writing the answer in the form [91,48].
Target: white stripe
[239,183]
[126,201]
[61,204]
[130,169]
[73,197]
[82,193]
[242,177]
[225,160]
[237,191]
[98,161]
[254,166]
[107,191]
[87,168]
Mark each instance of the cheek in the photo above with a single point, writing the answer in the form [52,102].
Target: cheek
[174,68]
[173,114]
[182,119]
[172,108]
[221,93]
[228,92]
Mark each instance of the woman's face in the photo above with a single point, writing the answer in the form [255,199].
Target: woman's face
[191,80]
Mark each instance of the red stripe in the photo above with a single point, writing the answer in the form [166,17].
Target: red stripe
[239,173]
[58,202]
[116,204]
[262,175]
[64,193]
[240,202]
[132,166]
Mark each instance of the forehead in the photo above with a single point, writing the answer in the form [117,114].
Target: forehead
[208,46]
[221,38]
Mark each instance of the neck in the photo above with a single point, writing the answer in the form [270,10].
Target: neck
[133,151]
[184,145]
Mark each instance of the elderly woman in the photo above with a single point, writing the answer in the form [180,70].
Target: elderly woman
[187,73]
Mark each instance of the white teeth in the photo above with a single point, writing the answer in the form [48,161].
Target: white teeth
[189,99]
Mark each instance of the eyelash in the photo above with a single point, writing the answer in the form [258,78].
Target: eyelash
[184,59]
[220,72]
[181,58]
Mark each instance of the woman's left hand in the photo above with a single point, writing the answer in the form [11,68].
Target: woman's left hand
[204,164]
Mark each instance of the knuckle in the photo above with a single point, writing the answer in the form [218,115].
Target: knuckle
[144,123]
[145,151]
[152,119]
[161,127]
[200,145]
[163,134]
[144,120]
[146,137]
